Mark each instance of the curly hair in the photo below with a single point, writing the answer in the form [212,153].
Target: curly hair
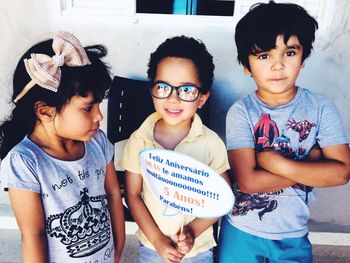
[187,48]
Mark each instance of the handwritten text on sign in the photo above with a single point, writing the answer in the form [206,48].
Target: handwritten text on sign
[185,184]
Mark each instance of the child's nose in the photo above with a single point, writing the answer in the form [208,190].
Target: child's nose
[278,64]
[174,96]
[98,115]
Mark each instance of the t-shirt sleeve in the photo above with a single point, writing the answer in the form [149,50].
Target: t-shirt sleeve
[107,146]
[130,159]
[331,129]
[218,155]
[238,131]
[18,172]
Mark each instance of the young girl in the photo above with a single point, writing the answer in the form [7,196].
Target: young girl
[181,73]
[56,163]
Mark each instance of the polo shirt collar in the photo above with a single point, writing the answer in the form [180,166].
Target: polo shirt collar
[147,127]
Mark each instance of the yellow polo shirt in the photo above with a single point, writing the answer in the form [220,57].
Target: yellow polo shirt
[202,144]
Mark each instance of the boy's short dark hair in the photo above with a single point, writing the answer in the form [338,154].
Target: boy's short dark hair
[259,28]
[188,48]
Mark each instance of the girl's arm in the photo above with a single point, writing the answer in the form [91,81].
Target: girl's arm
[29,212]
[115,209]
[333,169]
[195,228]
[164,246]
[252,179]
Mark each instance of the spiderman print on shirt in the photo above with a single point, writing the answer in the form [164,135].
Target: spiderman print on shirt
[266,135]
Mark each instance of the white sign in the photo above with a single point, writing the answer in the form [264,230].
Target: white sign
[185,184]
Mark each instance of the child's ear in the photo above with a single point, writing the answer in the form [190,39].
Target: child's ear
[202,99]
[302,64]
[43,111]
[247,71]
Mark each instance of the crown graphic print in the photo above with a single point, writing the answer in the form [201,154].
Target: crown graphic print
[83,228]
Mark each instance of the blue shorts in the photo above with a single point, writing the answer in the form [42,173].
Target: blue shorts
[147,255]
[238,246]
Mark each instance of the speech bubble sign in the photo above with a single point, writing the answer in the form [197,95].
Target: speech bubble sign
[186,185]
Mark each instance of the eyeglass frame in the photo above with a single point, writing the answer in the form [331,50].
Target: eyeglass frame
[177,90]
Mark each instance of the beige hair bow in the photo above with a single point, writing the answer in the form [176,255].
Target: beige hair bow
[45,70]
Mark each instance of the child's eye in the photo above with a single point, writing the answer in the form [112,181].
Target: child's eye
[263,56]
[290,53]
[88,109]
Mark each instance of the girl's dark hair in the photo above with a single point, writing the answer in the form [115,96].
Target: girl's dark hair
[188,48]
[259,28]
[80,81]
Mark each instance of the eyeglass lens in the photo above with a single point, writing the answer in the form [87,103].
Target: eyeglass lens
[185,92]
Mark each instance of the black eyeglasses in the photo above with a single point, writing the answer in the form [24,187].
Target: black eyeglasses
[161,90]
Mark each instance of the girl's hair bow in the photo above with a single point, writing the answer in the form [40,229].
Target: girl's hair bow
[45,70]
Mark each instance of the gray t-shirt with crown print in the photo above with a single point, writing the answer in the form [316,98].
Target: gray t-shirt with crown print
[78,223]
[292,130]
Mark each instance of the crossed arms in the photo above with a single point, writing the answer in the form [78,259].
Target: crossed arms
[269,171]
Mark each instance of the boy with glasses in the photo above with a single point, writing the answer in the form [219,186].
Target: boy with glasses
[181,74]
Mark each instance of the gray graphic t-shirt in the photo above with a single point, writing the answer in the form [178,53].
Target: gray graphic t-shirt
[78,223]
[292,130]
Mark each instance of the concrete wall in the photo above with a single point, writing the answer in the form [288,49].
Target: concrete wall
[130,42]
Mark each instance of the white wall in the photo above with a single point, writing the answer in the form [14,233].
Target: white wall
[24,23]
